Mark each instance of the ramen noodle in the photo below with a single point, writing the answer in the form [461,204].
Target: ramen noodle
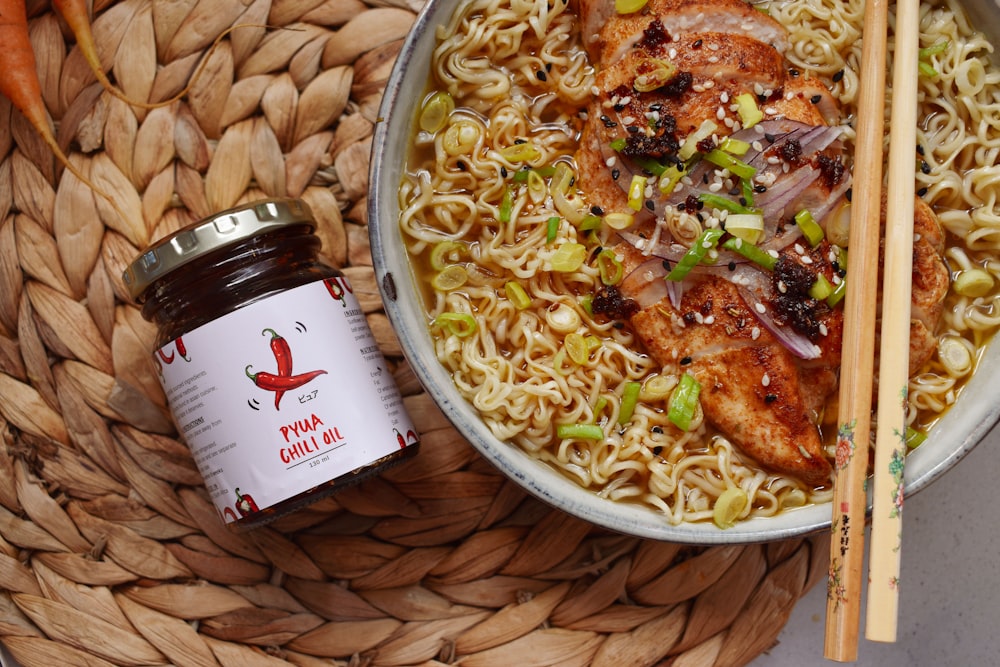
[507,260]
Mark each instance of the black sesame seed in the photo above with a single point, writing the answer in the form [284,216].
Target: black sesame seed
[924,167]
[849,194]
[920,149]
[685,361]
[816,99]
[838,76]
[731,266]
[518,142]
[697,44]
[921,192]
[760,189]
[597,210]
[657,429]
[770,398]
[548,67]
[542,76]
[503,171]
[632,129]
[650,205]
[618,325]
[770,137]
[461,165]
[658,448]
[793,72]
[615,173]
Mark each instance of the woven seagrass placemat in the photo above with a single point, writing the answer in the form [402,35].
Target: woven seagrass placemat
[110,552]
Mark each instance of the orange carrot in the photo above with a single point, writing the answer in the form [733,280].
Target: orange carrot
[19,82]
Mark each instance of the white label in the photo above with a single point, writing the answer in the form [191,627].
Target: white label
[283,395]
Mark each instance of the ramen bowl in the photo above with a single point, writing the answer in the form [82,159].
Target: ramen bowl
[953,436]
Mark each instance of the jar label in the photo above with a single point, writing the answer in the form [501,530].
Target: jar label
[283,395]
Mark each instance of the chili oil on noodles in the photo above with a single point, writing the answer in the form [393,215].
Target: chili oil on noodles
[507,257]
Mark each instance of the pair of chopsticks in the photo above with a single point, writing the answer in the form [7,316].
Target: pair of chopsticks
[857,364]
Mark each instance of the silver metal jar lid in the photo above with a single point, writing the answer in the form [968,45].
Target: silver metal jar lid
[212,233]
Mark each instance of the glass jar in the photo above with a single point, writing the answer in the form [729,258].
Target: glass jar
[272,374]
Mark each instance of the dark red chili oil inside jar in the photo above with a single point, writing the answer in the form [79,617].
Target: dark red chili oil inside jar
[273,377]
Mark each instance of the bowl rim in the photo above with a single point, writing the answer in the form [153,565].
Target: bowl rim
[971,418]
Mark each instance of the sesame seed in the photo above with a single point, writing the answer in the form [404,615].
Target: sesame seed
[709,84]
[611,161]
[823,330]
[755,333]
[720,113]
[806,259]
[766,380]
[724,97]
[782,287]
[698,318]
[759,307]
[625,100]
[710,319]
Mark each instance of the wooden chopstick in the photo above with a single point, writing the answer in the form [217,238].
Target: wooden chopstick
[857,363]
[894,356]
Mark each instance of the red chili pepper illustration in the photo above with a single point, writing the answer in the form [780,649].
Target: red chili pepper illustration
[281,351]
[229,514]
[412,437]
[400,439]
[336,290]
[181,349]
[167,358]
[244,503]
[282,383]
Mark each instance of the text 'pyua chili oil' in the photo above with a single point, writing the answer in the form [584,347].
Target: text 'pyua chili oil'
[271,372]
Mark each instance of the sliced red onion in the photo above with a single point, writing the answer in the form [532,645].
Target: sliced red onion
[646,284]
[796,343]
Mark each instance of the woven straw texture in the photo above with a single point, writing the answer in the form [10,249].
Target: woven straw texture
[110,552]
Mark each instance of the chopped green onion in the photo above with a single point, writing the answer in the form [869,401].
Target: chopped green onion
[746,106]
[618,145]
[670,178]
[821,289]
[653,73]
[654,167]
[451,278]
[707,240]
[619,221]
[569,257]
[657,387]
[746,188]
[445,253]
[517,295]
[973,282]
[636,192]
[729,506]
[629,6]
[724,203]
[589,223]
[581,431]
[734,146]
[810,228]
[551,228]
[587,303]
[435,112]
[562,179]
[837,295]
[610,267]
[751,252]
[456,324]
[927,70]
[523,152]
[684,402]
[724,160]
[523,175]
[536,187]
[506,205]
[914,437]
[630,396]
[933,50]
[747,226]
[690,145]
[576,347]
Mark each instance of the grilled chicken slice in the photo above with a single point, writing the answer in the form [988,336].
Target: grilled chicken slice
[766,354]
[612,35]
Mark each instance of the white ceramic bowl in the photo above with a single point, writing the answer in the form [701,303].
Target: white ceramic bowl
[956,434]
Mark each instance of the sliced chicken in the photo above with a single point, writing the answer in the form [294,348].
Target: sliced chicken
[766,353]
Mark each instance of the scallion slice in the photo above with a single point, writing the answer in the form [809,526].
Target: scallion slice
[610,267]
[724,203]
[456,324]
[551,228]
[751,252]
[636,192]
[684,402]
[707,240]
[630,397]
[810,228]
[580,431]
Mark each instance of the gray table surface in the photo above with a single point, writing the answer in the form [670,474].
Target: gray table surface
[949,605]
